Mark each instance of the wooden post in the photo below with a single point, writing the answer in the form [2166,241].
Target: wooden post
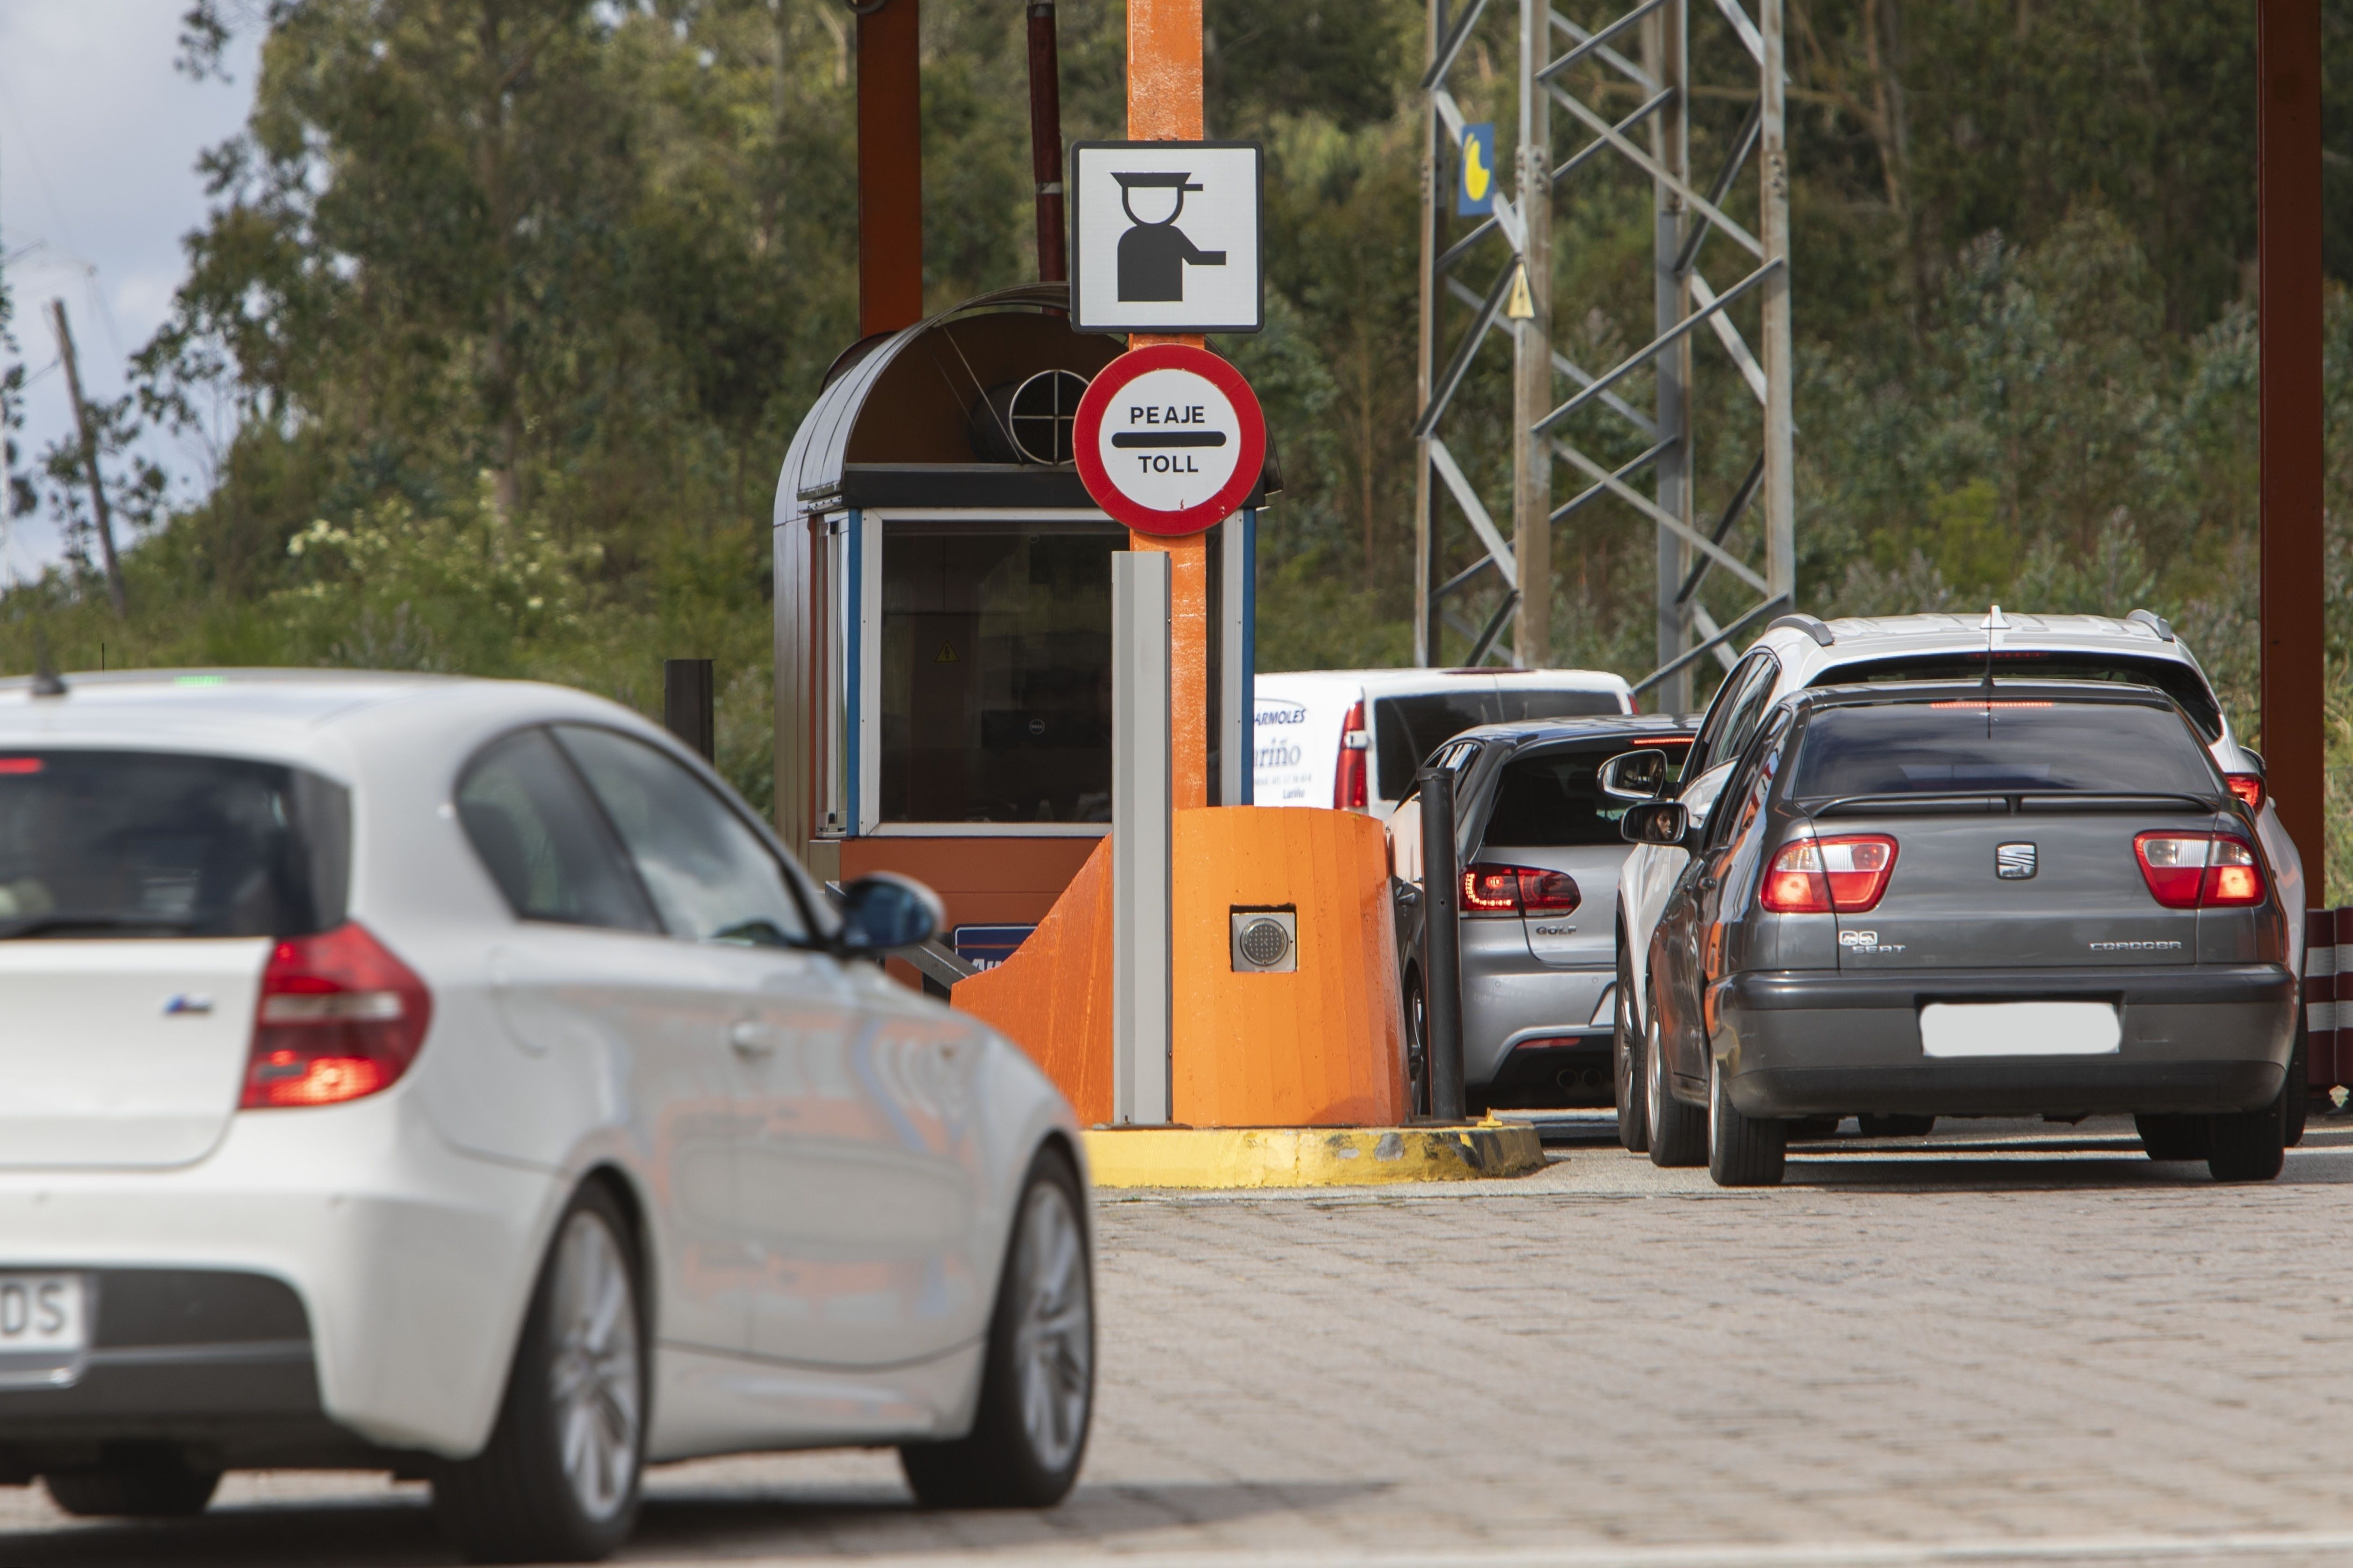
[104,515]
[2288,333]
[890,168]
[1164,104]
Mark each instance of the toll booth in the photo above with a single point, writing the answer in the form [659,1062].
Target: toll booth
[942,618]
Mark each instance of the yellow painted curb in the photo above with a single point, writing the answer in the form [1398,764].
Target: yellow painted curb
[1309,1156]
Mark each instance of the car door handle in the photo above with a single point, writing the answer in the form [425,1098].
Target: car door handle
[752,1038]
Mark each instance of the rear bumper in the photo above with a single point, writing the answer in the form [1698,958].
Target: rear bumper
[2210,1039]
[216,1362]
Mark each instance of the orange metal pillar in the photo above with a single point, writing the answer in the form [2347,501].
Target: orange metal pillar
[890,168]
[2288,333]
[1164,104]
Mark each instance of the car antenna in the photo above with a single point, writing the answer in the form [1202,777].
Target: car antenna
[46,679]
[1992,625]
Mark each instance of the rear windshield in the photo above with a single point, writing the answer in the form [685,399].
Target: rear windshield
[2008,745]
[149,844]
[1548,800]
[2176,679]
[1408,729]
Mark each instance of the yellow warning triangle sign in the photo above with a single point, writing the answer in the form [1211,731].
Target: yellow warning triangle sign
[1520,306]
[946,654]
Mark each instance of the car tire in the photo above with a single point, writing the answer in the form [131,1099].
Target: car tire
[1678,1131]
[1626,1064]
[558,1480]
[1896,1126]
[1037,1386]
[2175,1137]
[144,1485]
[2298,1087]
[1417,1049]
[2249,1145]
[1742,1151]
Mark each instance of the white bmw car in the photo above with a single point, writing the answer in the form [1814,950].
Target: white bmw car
[453,1077]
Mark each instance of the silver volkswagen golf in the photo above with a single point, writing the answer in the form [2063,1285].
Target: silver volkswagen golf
[1540,853]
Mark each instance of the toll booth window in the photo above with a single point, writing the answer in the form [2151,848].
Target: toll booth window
[995,679]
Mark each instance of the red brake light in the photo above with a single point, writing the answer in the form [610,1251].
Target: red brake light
[2248,787]
[340,1018]
[2198,870]
[1816,876]
[1491,889]
[20,765]
[1348,776]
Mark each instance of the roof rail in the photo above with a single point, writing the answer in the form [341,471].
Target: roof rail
[1806,624]
[2155,623]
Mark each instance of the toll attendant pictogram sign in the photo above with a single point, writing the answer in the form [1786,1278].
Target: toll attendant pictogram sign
[1170,439]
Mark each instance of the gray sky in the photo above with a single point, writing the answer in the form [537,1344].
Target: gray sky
[99,138]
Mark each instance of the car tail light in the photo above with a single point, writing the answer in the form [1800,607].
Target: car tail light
[2248,787]
[340,1018]
[2198,870]
[1348,778]
[1816,875]
[1491,889]
[19,765]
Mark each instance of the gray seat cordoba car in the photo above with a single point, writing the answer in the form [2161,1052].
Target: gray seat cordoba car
[1957,900]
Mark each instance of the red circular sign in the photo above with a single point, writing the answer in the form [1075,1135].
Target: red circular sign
[1170,439]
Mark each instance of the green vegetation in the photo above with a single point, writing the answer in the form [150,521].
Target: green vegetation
[508,308]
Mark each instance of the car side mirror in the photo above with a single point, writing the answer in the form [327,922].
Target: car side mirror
[886,911]
[1655,821]
[1634,775]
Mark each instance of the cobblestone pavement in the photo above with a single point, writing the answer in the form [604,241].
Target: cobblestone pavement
[2008,1344]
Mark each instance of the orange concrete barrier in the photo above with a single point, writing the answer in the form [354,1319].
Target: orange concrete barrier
[1319,1048]
[1052,997]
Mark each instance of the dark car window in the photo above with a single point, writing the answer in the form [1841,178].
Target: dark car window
[712,877]
[538,835]
[1928,747]
[1408,728]
[2176,679]
[1751,780]
[1547,799]
[1731,718]
[159,844]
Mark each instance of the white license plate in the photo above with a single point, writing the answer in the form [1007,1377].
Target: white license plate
[2021,1029]
[43,1315]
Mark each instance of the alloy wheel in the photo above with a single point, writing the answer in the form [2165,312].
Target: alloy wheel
[1053,1344]
[595,1373]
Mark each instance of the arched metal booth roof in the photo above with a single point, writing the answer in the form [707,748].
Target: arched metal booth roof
[899,420]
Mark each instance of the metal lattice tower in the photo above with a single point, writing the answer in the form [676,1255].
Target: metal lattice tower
[1548,389]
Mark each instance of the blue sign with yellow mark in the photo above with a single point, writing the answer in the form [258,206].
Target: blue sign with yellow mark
[1474,185]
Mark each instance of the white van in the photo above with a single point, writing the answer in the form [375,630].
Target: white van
[1350,740]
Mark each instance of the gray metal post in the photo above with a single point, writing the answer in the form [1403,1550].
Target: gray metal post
[1442,947]
[1666,56]
[690,705]
[1140,799]
[1780,456]
[1426,570]
[1532,369]
[1234,659]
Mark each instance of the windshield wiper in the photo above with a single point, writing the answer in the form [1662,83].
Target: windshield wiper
[49,925]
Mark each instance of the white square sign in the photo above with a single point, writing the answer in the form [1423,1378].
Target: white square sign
[1164,236]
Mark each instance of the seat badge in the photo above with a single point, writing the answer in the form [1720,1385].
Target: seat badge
[187,1003]
[2013,862]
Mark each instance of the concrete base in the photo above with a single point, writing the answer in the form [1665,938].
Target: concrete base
[1309,1156]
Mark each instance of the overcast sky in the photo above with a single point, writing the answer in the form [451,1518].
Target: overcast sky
[99,138]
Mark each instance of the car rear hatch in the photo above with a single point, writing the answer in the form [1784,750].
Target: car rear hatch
[2002,836]
[140,895]
[1547,816]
